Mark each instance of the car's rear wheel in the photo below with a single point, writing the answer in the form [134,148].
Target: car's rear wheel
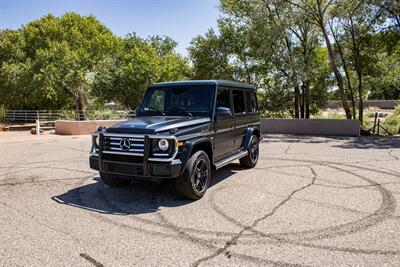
[251,159]
[113,180]
[196,178]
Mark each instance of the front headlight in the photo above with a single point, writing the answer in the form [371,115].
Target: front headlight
[163,144]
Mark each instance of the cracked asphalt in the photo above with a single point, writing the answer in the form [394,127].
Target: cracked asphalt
[310,201]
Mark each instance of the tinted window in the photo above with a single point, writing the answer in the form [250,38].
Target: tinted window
[251,101]
[178,100]
[238,101]
[223,99]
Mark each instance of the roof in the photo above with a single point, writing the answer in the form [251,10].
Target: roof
[208,82]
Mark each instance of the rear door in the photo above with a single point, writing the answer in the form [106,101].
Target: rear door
[224,125]
[239,104]
[253,116]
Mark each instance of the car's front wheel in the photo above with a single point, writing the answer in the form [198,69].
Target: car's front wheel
[113,180]
[196,178]
[250,161]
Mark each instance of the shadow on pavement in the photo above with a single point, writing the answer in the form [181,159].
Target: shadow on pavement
[139,197]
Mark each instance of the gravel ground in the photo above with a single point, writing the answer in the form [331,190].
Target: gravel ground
[310,201]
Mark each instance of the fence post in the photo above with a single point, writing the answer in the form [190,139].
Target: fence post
[37,127]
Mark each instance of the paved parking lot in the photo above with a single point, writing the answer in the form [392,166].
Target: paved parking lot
[311,201]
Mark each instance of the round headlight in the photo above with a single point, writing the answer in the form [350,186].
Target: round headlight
[163,144]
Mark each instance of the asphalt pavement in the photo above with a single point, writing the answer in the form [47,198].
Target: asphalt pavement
[310,201]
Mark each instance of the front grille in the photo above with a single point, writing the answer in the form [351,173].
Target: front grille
[116,145]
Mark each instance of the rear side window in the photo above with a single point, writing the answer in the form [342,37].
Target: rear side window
[251,101]
[238,101]
[223,99]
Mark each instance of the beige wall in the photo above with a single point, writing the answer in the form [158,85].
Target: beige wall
[311,127]
[276,126]
[81,127]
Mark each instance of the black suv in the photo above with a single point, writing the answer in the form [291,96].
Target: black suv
[182,131]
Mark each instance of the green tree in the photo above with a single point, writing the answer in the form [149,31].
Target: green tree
[209,58]
[138,63]
[53,60]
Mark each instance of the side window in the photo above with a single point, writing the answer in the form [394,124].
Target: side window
[223,102]
[251,101]
[238,101]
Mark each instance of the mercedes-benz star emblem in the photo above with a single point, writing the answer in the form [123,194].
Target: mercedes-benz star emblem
[125,144]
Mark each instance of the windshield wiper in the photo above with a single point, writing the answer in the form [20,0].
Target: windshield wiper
[180,110]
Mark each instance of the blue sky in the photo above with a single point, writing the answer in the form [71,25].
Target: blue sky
[179,19]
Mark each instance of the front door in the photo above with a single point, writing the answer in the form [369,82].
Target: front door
[224,126]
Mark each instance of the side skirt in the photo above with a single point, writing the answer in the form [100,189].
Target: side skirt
[223,162]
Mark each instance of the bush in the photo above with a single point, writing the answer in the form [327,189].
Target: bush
[392,123]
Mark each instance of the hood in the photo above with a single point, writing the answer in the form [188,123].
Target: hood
[156,124]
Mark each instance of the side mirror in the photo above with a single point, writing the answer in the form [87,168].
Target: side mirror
[135,112]
[223,112]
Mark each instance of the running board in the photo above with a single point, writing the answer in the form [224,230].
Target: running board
[228,160]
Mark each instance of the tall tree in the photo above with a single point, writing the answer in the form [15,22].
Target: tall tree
[53,61]
[138,63]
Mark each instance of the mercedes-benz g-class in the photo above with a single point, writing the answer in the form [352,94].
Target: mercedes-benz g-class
[181,131]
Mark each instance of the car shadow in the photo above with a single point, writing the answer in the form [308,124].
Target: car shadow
[139,197]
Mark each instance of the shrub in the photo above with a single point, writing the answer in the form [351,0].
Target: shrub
[392,123]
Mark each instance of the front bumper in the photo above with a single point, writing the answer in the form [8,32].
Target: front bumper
[130,169]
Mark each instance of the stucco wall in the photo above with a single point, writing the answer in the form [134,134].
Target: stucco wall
[382,104]
[276,126]
[311,127]
[81,127]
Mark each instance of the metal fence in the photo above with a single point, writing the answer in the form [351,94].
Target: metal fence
[52,115]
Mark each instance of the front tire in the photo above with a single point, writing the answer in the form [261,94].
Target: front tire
[195,180]
[250,161]
[113,180]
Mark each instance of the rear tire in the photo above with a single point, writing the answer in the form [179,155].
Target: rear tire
[113,180]
[250,161]
[194,181]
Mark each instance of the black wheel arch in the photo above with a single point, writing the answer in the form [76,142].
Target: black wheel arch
[194,145]
[249,133]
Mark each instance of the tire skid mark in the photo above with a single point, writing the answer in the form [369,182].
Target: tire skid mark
[235,238]
[75,239]
[271,239]
[392,155]
[44,181]
[385,210]
[91,260]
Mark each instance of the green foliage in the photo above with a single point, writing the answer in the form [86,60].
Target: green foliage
[392,123]
[75,62]
[265,43]
[210,58]
[137,64]
[48,63]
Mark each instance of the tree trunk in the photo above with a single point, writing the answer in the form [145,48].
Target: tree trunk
[296,101]
[306,92]
[302,103]
[336,72]
[360,97]
[346,72]
[80,101]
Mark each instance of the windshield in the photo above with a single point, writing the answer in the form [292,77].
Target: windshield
[178,101]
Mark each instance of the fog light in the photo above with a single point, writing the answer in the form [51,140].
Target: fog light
[163,144]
